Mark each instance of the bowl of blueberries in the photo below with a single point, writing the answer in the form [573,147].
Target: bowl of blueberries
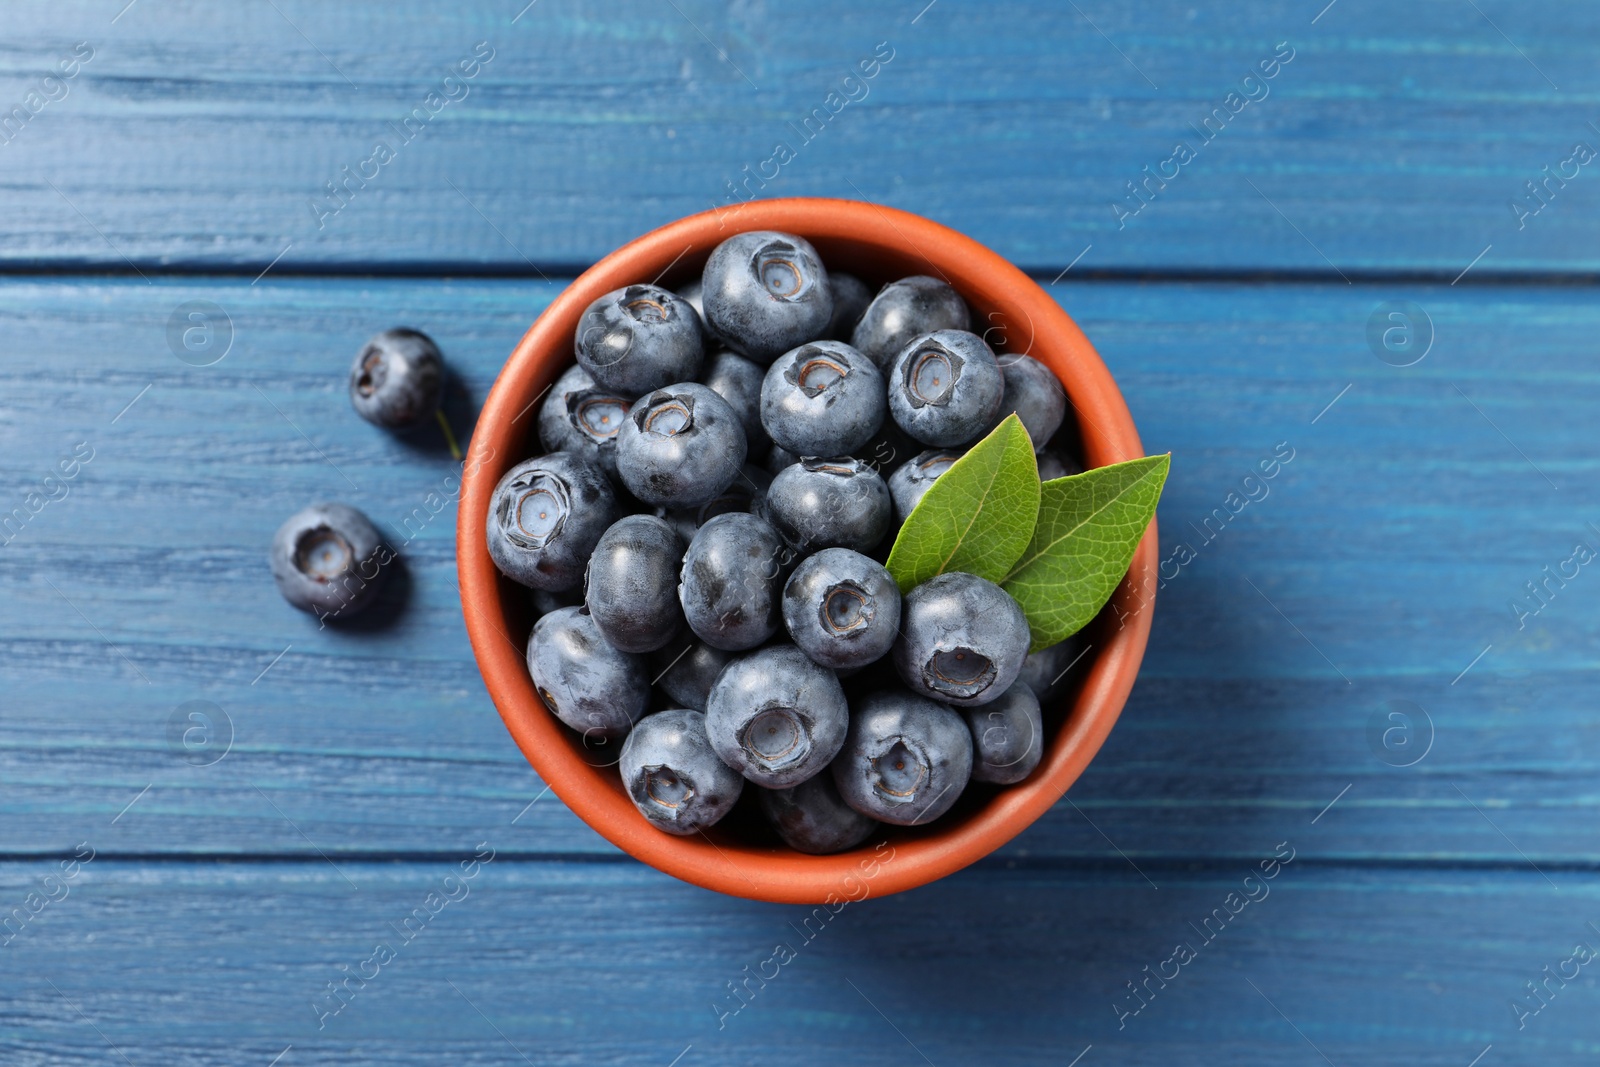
[675,517]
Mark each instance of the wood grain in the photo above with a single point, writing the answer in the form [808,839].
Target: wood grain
[1381,562]
[1393,141]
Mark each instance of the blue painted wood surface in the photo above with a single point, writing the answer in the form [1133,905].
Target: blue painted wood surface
[1442,861]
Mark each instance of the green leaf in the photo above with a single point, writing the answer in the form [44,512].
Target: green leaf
[1089,525]
[977,516]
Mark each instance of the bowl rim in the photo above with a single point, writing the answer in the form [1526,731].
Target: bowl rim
[1004,296]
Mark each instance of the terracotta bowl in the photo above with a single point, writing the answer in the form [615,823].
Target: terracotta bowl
[877,244]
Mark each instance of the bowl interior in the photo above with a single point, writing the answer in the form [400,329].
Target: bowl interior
[740,856]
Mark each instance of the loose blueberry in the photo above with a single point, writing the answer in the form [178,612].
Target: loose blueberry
[1035,395]
[732,580]
[901,311]
[329,560]
[765,293]
[673,775]
[691,294]
[1053,465]
[686,669]
[946,388]
[812,817]
[748,493]
[631,586]
[397,379]
[829,503]
[779,458]
[738,381]
[908,484]
[842,609]
[1049,671]
[639,338]
[544,602]
[850,298]
[822,399]
[905,759]
[776,717]
[888,449]
[680,446]
[544,519]
[963,639]
[1007,736]
[593,688]
[583,419]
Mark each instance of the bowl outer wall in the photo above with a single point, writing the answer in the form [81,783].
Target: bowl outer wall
[877,242]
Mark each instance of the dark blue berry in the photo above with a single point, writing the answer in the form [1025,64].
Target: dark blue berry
[631,586]
[779,458]
[850,298]
[545,517]
[680,447]
[594,688]
[732,581]
[812,817]
[908,484]
[904,309]
[842,609]
[776,717]
[686,669]
[963,639]
[639,338]
[397,379]
[673,775]
[829,503]
[1051,670]
[905,759]
[748,493]
[738,381]
[1053,465]
[1034,394]
[946,388]
[1007,736]
[822,399]
[579,417]
[329,560]
[765,293]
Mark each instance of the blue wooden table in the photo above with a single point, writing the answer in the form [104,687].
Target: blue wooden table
[1360,235]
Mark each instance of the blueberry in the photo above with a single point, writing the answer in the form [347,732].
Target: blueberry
[738,381]
[776,717]
[1049,671]
[640,338]
[680,446]
[850,298]
[1053,465]
[765,293]
[328,559]
[842,609]
[732,580]
[1035,395]
[747,493]
[908,484]
[889,447]
[544,519]
[592,687]
[822,399]
[691,294]
[579,417]
[544,602]
[397,379]
[904,309]
[963,639]
[631,585]
[1007,736]
[779,458]
[812,817]
[673,775]
[686,669]
[905,759]
[945,388]
[829,503]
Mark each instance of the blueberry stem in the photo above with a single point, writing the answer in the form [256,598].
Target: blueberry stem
[449,438]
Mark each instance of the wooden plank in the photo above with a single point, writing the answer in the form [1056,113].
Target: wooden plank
[1379,567]
[611,963]
[1395,139]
